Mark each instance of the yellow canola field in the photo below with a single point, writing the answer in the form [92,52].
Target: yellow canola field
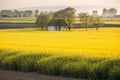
[103,43]
[113,22]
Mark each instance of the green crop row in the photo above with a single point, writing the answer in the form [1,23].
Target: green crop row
[61,65]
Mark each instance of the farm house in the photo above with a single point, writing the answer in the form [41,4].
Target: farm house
[54,28]
[57,25]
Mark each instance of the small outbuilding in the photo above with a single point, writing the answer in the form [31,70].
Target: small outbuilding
[51,28]
[57,25]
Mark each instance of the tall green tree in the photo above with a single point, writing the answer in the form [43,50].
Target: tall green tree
[95,22]
[6,13]
[42,20]
[36,13]
[109,12]
[67,14]
[84,20]
[98,22]
[60,23]
[28,13]
[88,20]
[112,12]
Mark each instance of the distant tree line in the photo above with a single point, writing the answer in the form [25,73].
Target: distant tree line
[16,13]
[20,13]
[109,13]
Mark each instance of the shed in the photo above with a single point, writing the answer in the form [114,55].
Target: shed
[57,25]
[51,25]
[51,28]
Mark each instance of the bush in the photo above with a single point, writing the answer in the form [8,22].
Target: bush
[26,62]
[8,63]
[20,61]
[49,65]
[114,73]
[101,70]
[76,69]
[6,55]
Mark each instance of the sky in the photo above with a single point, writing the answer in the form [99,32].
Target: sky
[13,4]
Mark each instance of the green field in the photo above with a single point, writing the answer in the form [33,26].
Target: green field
[80,54]
[107,21]
[18,20]
[114,21]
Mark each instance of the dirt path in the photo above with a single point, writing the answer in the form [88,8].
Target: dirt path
[13,75]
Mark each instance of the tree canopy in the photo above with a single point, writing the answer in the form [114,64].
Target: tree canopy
[87,20]
[42,20]
[58,23]
[67,14]
[109,12]
[84,19]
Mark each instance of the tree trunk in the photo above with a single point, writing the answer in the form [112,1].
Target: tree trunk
[42,27]
[59,28]
[56,28]
[97,28]
[86,27]
[47,27]
[66,28]
[69,27]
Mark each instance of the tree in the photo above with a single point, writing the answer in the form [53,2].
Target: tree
[36,13]
[28,13]
[92,21]
[88,20]
[60,23]
[97,22]
[95,13]
[109,12]
[59,14]
[84,19]
[21,13]
[67,14]
[16,13]
[42,20]
[6,13]
[112,12]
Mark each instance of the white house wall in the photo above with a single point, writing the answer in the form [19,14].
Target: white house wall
[51,28]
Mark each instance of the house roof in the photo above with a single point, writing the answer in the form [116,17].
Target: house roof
[57,22]
[51,22]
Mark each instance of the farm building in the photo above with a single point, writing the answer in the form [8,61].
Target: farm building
[57,25]
[53,28]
